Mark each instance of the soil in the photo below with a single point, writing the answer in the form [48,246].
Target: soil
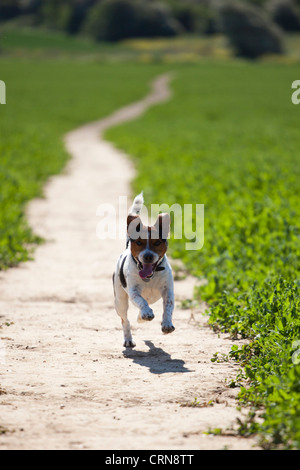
[66,381]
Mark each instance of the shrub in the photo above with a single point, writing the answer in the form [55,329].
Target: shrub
[286,14]
[250,31]
[113,20]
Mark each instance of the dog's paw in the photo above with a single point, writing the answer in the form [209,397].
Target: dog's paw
[167,327]
[146,315]
[128,343]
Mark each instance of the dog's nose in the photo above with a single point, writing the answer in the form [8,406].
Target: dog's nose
[148,257]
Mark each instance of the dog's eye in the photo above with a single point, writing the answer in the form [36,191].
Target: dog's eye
[138,242]
[157,243]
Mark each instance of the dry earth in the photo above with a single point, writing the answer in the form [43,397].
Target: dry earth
[66,381]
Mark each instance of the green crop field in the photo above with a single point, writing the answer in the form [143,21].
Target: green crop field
[230,139]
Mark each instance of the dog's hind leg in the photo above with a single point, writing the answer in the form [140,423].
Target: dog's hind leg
[121,305]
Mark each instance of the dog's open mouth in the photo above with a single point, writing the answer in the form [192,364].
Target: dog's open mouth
[147,270]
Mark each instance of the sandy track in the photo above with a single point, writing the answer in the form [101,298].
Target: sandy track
[66,381]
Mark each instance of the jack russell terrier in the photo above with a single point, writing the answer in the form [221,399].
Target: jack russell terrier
[143,273]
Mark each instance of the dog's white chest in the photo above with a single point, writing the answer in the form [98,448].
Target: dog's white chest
[151,294]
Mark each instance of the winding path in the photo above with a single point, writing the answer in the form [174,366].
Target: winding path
[66,381]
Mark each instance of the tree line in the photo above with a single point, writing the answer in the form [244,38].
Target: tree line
[254,27]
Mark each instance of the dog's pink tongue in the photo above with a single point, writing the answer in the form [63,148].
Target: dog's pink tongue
[146,271]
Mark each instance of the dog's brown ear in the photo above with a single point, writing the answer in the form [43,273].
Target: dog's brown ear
[162,225]
[130,218]
[134,226]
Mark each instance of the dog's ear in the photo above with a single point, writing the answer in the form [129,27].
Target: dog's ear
[162,225]
[134,226]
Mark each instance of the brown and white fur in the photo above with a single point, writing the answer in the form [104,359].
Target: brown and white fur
[143,274]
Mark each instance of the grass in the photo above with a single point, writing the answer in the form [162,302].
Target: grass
[18,40]
[230,140]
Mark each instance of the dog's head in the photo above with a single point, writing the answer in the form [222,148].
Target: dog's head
[148,244]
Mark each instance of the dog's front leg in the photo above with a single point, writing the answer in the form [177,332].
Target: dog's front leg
[146,313]
[121,305]
[168,301]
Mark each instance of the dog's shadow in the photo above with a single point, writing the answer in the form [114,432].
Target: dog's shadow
[156,359]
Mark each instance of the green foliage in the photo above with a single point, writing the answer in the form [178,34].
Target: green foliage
[229,140]
[113,20]
[249,24]
[45,100]
[270,314]
[67,16]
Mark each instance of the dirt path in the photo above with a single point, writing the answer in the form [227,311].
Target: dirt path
[66,381]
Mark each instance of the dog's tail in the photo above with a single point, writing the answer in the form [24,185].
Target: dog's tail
[137,205]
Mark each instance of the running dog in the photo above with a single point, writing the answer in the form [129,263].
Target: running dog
[143,273]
